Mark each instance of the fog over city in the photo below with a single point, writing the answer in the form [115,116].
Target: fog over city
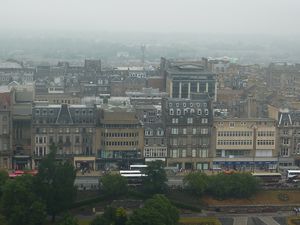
[254,31]
[159,112]
[279,17]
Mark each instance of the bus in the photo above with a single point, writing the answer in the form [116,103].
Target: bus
[133,177]
[293,175]
[137,167]
[268,179]
[18,173]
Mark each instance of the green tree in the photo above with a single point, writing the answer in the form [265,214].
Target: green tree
[238,185]
[155,180]
[196,182]
[69,220]
[3,178]
[55,183]
[113,185]
[111,216]
[20,205]
[156,211]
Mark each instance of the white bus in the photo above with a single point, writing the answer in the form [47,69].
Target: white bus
[134,177]
[293,174]
[130,172]
[137,167]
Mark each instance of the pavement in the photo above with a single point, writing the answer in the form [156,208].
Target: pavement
[277,218]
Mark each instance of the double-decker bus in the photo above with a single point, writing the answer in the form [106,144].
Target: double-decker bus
[134,177]
[268,179]
[293,175]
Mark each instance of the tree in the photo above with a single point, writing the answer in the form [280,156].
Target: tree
[239,185]
[20,205]
[156,211]
[155,180]
[196,182]
[3,178]
[113,185]
[111,216]
[69,220]
[55,183]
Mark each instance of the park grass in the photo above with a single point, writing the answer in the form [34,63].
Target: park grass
[293,220]
[84,222]
[199,221]
[265,197]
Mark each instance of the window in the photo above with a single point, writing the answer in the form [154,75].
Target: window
[194,131]
[204,120]
[206,111]
[194,153]
[231,124]
[284,152]
[204,131]
[174,141]
[189,120]
[184,131]
[174,153]
[178,112]
[285,141]
[160,132]
[171,112]
[148,132]
[203,153]
[183,153]
[199,112]
[174,120]
[174,131]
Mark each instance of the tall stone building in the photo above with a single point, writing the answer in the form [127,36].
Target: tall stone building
[70,127]
[119,137]
[185,78]
[188,130]
[244,144]
[289,138]
[155,141]
[5,127]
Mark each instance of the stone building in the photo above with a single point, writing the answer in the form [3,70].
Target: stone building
[188,129]
[119,137]
[184,78]
[155,142]
[289,138]
[5,127]
[244,144]
[70,127]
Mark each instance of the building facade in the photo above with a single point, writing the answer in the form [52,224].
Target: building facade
[183,79]
[188,129]
[5,127]
[70,127]
[245,144]
[155,142]
[119,137]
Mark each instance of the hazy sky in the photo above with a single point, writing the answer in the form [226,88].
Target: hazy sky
[201,16]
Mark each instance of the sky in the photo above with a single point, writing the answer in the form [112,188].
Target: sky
[276,17]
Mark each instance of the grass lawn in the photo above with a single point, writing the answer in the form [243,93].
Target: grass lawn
[199,221]
[261,198]
[84,222]
[181,196]
[293,220]
[80,222]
